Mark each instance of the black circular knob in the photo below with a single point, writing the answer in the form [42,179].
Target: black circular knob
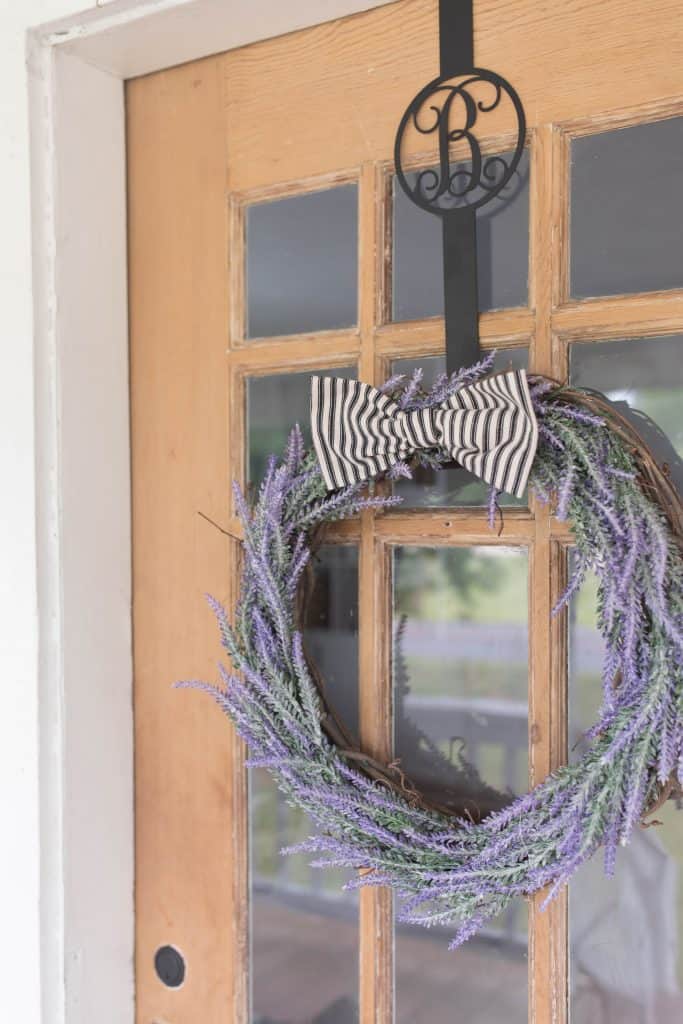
[170,966]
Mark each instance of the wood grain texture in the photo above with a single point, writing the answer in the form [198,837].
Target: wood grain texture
[621,316]
[374,628]
[454,527]
[547,655]
[330,97]
[511,328]
[185,792]
[374,620]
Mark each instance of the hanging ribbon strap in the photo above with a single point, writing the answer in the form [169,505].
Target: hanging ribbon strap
[488,427]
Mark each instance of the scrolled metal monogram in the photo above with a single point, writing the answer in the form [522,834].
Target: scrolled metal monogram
[451,107]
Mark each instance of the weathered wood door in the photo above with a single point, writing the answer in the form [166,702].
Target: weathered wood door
[266,241]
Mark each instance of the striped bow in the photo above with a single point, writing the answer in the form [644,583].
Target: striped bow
[488,427]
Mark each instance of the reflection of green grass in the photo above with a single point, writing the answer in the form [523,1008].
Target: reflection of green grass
[465,584]
[508,601]
[585,698]
[461,677]
[585,604]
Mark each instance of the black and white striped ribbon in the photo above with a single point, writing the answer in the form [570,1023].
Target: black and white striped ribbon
[488,427]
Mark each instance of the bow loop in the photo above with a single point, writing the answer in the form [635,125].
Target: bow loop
[488,427]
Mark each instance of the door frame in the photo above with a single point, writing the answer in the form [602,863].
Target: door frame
[76,70]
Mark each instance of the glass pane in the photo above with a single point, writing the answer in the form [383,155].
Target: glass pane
[453,486]
[304,926]
[461,724]
[302,263]
[483,982]
[274,404]
[644,378]
[626,210]
[626,932]
[332,629]
[502,251]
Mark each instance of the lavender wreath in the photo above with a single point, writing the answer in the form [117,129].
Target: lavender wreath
[452,868]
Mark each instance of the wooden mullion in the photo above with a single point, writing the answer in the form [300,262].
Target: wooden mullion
[617,117]
[548,954]
[384,261]
[561,531]
[554,234]
[509,328]
[236,272]
[295,187]
[641,315]
[371,270]
[454,527]
[437,527]
[376,908]
[549,262]
[298,352]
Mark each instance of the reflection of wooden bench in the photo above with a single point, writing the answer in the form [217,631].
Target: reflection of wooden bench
[497,723]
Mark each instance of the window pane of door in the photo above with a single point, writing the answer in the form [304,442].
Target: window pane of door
[274,404]
[453,486]
[304,927]
[502,250]
[644,378]
[460,676]
[302,260]
[626,210]
[626,932]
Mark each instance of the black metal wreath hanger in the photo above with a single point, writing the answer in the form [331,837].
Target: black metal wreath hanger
[448,107]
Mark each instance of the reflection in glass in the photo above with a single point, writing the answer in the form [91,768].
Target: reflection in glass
[274,404]
[460,670]
[302,259]
[644,378]
[502,251]
[626,933]
[332,629]
[626,210]
[453,486]
[304,927]
[460,725]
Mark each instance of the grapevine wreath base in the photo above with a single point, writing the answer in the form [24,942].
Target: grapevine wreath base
[451,867]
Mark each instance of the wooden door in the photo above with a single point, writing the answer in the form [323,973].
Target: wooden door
[243,168]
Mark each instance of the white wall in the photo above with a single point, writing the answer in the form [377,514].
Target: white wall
[20,936]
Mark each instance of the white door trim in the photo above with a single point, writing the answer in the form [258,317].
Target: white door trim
[76,70]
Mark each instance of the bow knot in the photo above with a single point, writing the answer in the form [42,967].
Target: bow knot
[488,427]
